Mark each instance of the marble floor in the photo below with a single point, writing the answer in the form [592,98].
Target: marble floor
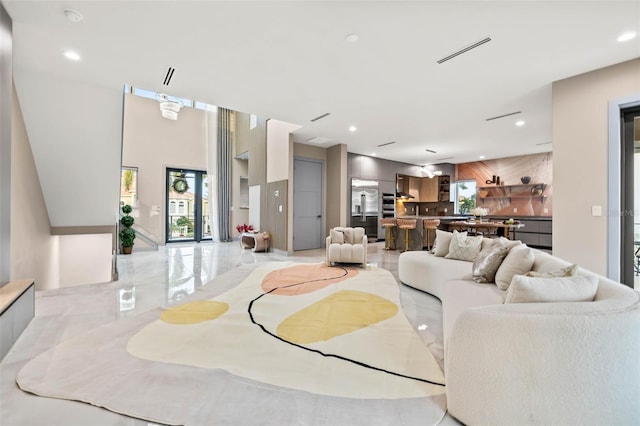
[150,279]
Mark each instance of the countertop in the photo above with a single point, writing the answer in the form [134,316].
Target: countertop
[433,217]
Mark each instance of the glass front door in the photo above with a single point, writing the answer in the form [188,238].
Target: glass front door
[187,206]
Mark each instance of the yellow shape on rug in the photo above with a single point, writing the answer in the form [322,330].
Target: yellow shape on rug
[194,312]
[341,313]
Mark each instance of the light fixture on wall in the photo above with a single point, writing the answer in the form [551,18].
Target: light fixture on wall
[169,108]
[430,172]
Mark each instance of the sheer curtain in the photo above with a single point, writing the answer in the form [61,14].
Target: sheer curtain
[219,172]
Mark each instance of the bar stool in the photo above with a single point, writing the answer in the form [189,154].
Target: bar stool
[387,224]
[430,225]
[407,225]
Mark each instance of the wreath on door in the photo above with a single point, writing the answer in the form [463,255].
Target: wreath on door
[180,184]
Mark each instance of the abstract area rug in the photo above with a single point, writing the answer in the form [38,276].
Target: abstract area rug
[289,344]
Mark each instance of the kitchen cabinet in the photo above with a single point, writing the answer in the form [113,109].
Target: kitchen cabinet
[537,231]
[424,189]
[414,188]
[444,188]
[429,189]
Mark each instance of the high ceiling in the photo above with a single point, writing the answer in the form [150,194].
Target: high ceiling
[291,61]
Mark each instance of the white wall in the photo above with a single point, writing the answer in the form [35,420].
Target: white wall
[85,259]
[34,251]
[75,134]
[278,150]
[153,143]
[580,142]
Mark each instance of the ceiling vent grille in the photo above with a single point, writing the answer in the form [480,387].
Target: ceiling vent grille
[320,117]
[386,144]
[317,140]
[465,50]
[167,78]
[503,115]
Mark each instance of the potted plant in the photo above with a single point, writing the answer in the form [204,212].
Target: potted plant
[127,233]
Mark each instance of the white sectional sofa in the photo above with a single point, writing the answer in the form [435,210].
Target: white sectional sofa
[565,363]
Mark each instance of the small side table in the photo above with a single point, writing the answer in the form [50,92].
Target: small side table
[254,241]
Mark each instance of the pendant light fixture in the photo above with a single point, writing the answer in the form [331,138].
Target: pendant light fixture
[168,108]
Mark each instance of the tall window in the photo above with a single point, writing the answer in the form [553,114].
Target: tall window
[464,192]
[129,186]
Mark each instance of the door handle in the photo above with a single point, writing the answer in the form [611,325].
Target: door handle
[319,216]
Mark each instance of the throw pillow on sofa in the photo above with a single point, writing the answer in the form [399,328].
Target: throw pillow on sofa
[489,260]
[337,237]
[569,271]
[348,235]
[442,242]
[525,289]
[519,261]
[463,247]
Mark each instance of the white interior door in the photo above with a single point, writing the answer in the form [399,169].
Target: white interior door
[307,204]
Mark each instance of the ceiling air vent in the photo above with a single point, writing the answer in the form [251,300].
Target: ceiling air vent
[503,116]
[385,144]
[320,117]
[167,78]
[445,158]
[465,50]
[317,140]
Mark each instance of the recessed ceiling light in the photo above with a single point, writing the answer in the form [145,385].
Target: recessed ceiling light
[520,123]
[627,36]
[373,154]
[352,128]
[482,157]
[70,54]
[351,38]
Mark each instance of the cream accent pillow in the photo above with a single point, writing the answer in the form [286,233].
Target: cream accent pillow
[442,242]
[509,243]
[519,261]
[569,271]
[337,237]
[488,261]
[348,235]
[525,289]
[463,247]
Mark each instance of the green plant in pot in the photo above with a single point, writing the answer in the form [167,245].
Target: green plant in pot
[127,234]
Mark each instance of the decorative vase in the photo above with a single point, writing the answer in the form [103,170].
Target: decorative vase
[525,179]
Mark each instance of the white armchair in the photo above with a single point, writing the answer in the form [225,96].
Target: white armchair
[347,245]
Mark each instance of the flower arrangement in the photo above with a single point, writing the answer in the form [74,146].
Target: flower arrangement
[479,212]
[244,228]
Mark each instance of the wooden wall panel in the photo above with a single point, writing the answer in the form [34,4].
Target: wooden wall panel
[242,133]
[258,153]
[537,166]
[272,217]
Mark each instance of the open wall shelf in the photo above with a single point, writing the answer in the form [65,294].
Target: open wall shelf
[531,190]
